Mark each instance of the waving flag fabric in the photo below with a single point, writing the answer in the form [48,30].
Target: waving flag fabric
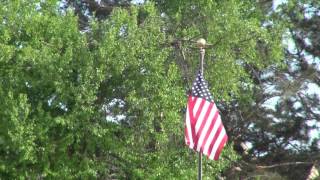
[204,131]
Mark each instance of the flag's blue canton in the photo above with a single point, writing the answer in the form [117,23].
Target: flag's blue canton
[200,88]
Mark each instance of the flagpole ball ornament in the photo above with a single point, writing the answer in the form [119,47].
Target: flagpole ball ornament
[201,43]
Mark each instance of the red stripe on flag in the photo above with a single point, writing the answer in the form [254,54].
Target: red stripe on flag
[213,122]
[221,145]
[213,142]
[191,102]
[191,117]
[205,118]
[199,110]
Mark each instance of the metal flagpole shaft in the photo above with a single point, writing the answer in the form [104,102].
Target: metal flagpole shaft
[202,51]
[201,43]
[200,167]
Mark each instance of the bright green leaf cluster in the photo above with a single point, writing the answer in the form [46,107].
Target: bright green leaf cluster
[108,102]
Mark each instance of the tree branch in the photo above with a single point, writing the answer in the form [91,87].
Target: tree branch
[283,164]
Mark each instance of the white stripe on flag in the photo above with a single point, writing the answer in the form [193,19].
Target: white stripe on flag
[212,134]
[196,106]
[202,114]
[217,143]
[206,127]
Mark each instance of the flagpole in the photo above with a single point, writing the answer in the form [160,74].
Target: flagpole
[200,167]
[201,43]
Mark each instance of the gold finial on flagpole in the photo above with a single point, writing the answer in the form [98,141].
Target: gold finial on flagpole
[201,43]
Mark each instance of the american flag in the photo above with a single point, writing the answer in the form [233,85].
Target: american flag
[204,131]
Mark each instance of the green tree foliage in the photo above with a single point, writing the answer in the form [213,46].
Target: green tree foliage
[49,81]
[238,37]
[284,126]
[93,90]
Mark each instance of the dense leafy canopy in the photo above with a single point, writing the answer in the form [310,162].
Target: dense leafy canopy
[98,89]
[284,126]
